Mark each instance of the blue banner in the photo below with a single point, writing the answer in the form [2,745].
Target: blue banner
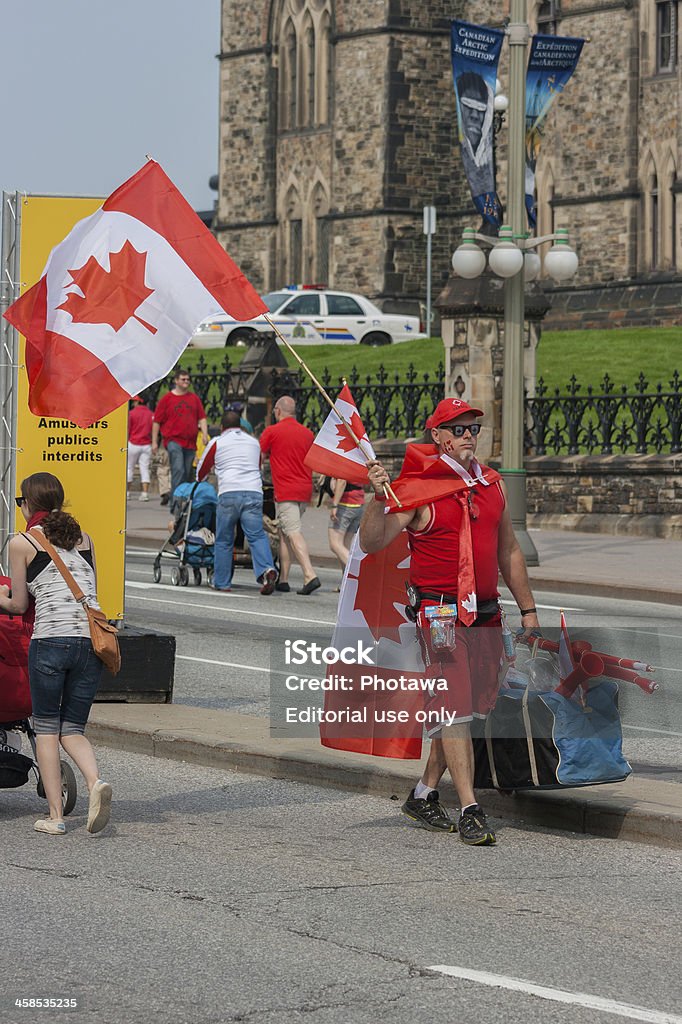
[551,63]
[475,53]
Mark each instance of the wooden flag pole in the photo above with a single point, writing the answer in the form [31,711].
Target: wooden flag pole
[388,490]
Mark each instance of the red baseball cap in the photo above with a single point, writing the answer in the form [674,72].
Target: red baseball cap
[448,410]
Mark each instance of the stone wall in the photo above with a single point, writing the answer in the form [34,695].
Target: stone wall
[391,148]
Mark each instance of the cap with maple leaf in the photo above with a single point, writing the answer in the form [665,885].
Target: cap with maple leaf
[448,410]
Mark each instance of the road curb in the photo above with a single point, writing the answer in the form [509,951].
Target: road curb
[633,810]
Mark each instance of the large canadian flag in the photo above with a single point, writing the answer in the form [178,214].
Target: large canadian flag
[334,452]
[120,298]
[372,611]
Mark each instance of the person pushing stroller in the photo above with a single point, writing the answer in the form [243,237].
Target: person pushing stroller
[235,456]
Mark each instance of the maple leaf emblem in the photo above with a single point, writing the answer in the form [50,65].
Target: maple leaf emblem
[109,296]
[470,604]
[381,586]
[345,442]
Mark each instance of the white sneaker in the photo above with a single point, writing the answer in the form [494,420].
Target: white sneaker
[100,806]
[144,496]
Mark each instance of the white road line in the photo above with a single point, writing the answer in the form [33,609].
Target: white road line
[644,632]
[659,732]
[230,608]
[558,995]
[137,585]
[233,664]
[549,607]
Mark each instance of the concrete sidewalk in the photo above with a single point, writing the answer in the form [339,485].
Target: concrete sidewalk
[636,568]
[638,809]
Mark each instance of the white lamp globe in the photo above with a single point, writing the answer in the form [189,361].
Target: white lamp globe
[531,265]
[506,259]
[561,262]
[500,103]
[468,261]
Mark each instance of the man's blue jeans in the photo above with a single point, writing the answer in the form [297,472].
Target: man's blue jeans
[181,466]
[245,507]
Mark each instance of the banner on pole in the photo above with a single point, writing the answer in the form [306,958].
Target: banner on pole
[475,52]
[90,462]
[552,61]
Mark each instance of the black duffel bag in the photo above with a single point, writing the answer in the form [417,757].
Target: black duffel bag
[14,769]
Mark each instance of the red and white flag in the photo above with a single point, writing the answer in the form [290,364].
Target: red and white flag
[334,452]
[120,298]
[372,611]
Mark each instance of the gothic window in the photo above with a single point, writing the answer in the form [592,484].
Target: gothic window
[304,44]
[669,215]
[666,36]
[320,210]
[309,80]
[288,78]
[295,250]
[548,17]
[653,221]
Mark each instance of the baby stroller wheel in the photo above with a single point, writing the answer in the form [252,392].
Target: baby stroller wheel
[209,577]
[175,577]
[157,573]
[69,787]
[197,577]
[184,575]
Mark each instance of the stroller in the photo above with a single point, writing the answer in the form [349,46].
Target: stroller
[191,544]
[15,711]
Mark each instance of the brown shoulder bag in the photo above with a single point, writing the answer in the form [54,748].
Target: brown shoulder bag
[103,634]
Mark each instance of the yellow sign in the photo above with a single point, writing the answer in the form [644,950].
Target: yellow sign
[91,462]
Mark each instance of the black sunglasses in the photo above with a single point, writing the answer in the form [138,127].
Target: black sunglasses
[20,501]
[459,429]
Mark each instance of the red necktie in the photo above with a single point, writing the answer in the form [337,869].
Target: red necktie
[466,580]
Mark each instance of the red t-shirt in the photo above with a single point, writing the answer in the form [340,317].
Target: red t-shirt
[178,417]
[287,444]
[140,425]
[435,550]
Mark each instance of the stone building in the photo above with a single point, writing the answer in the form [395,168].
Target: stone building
[337,125]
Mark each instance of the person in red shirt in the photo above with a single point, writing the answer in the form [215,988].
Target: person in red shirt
[140,442]
[286,442]
[460,535]
[178,417]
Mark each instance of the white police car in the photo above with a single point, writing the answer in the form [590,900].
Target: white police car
[312,315]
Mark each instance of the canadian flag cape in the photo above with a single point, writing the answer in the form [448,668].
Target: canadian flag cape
[120,298]
[427,476]
[334,452]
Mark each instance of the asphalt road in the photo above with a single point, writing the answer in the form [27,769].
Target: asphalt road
[227,643]
[215,897]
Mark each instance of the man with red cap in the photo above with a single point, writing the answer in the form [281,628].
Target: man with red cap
[460,536]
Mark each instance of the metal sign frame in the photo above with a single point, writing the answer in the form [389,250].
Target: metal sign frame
[9,354]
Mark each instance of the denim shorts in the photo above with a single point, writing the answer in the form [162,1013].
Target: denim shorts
[64,674]
[347,518]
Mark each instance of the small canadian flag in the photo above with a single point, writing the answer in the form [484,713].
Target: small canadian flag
[334,452]
[120,297]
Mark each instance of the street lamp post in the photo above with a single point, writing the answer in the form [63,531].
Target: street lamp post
[513,257]
[512,468]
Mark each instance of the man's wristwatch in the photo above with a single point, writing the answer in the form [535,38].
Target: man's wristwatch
[528,611]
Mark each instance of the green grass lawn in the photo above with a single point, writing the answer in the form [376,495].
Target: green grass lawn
[623,354]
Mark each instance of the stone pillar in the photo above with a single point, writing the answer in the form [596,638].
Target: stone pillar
[472,325]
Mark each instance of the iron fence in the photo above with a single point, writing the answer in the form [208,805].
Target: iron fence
[389,404]
[645,420]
